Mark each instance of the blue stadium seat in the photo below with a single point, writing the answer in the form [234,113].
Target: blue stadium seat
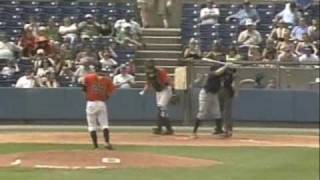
[6,3]
[29,3]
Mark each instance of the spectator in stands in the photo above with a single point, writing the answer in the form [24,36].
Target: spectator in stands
[287,43]
[217,53]
[254,54]
[250,36]
[314,30]
[307,42]
[42,32]
[84,68]
[67,52]
[39,58]
[89,27]
[27,42]
[277,34]
[298,31]
[110,50]
[124,79]
[164,10]
[66,72]
[289,15]
[10,69]
[27,81]
[303,4]
[33,25]
[287,56]
[209,14]
[106,60]
[269,52]
[85,42]
[42,42]
[125,38]
[233,54]
[106,27]
[50,80]
[7,49]
[88,53]
[246,12]
[193,50]
[44,71]
[135,29]
[52,30]
[308,55]
[145,11]
[68,30]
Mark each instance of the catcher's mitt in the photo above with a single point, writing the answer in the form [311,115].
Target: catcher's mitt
[174,99]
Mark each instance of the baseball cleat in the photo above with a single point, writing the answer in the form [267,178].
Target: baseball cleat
[168,133]
[108,146]
[218,132]
[156,131]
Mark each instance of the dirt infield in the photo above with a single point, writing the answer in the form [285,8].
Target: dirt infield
[176,140]
[96,160]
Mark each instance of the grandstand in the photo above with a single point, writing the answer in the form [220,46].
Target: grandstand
[163,45]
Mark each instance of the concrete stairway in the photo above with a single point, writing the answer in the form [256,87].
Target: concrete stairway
[163,46]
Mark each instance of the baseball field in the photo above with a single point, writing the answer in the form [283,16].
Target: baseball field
[251,154]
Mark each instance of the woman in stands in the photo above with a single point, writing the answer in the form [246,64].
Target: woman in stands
[307,42]
[27,42]
[193,50]
[286,44]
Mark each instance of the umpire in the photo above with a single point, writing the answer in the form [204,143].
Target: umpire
[209,101]
[226,95]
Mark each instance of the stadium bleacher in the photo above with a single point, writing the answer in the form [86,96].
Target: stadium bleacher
[14,14]
[229,31]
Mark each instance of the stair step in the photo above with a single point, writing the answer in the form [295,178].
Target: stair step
[161,47]
[161,39]
[155,54]
[158,61]
[142,76]
[161,32]
[169,69]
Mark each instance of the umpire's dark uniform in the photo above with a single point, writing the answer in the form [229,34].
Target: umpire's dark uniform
[226,95]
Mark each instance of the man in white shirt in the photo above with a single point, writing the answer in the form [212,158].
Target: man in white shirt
[308,55]
[26,81]
[289,15]
[124,79]
[250,36]
[209,14]
[135,27]
[68,30]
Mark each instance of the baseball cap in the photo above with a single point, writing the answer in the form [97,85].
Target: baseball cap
[85,36]
[42,39]
[87,16]
[42,28]
[40,51]
[249,22]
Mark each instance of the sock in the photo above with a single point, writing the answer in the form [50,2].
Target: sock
[106,135]
[94,138]
[167,123]
[196,125]
[219,124]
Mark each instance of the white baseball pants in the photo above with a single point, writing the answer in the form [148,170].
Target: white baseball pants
[97,114]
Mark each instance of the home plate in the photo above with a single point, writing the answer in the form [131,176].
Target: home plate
[111,160]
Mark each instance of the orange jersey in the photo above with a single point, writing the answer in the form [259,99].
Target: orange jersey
[98,88]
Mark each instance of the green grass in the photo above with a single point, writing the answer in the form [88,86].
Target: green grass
[238,164]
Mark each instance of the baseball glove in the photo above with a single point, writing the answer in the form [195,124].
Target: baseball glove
[175,99]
